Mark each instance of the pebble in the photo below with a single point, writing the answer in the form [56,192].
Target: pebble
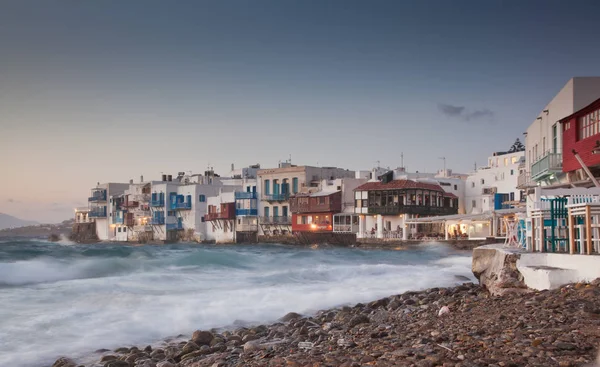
[547,328]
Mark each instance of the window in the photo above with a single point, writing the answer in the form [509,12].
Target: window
[171,213]
[267,211]
[514,160]
[300,219]
[455,187]
[202,219]
[482,181]
[512,172]
[295,185]
[119,229]
[588,125]
[473,184]
[322,199]
[124,229]
[267,187]
[544,145]
[357,203]
[554,139]
[275,211]
[474,203]
[201,198]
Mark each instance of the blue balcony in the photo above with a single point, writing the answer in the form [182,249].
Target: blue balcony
[118,220]
[184,205]
[174,226]
[157,221]
[246,195]
[242,212]
[276,197]
[98,195]
[98,212]
[157,203]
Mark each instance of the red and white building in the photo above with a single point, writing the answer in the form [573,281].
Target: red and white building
[313,212]
[581,134]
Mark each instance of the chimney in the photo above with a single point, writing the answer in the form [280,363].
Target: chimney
[169,178]
[131,181]
[141,178]
[164,178]
[232,167]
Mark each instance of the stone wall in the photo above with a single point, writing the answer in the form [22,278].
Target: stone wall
[496,269]
[84,233]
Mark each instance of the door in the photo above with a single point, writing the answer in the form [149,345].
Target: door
[267,211]
[275,211]
[284,211]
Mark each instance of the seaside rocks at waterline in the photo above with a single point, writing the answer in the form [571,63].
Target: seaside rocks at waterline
[64,362]
[202,337]
[549,328]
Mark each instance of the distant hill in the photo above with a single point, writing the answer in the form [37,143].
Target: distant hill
[8,221]
[39,230]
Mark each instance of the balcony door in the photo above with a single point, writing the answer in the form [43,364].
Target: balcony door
[275,211]
[284,211]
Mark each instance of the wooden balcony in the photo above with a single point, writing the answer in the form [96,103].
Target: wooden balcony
[412,209]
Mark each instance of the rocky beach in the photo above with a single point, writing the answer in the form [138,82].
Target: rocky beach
[457,326]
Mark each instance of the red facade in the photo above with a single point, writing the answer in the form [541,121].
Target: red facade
[581,132]
[312,222]
[225,211]
[314,212]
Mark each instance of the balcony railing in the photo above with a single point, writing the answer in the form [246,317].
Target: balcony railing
[99,212]
[157,203]
[174,226]
[276,197]
[131,204]
[157,221]
[184,205]
[412,209]
[118,220]
[547,165]
[241,212]
[218,215]
[524,181]
[245,195]
[276,220]
[98,196]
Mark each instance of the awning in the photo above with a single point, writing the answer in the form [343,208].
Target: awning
[471,217]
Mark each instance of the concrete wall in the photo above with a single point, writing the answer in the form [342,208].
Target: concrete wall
[550,271]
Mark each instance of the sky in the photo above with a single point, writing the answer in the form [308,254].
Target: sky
[106,91]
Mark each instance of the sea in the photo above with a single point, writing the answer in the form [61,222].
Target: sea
[63,299]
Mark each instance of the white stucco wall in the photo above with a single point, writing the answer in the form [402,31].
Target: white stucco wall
[550,271]
[221,231]
[502,173]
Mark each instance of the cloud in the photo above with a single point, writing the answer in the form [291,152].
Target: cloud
[462,113]
[13,201]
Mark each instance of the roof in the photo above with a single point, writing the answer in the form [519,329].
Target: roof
[398,184]
[592,106]
[315,194]
[450,195]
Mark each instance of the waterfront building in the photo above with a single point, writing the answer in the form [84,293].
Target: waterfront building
[103,203]
[544,137]
[220,216]
[277,184]
[384,205]
[82,215]
[326,208]
[246,211]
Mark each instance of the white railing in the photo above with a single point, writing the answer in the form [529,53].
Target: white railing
[541,205]
[583,199]
[347,228]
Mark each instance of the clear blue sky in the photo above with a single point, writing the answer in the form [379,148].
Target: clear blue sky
[109,90]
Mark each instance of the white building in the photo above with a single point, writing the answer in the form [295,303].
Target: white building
[220,218]
[491,186]
[103,207]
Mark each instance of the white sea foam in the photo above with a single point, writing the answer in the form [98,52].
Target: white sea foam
[89,298]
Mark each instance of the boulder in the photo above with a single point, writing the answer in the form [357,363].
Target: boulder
[290,316]
[202,337]
[64,362]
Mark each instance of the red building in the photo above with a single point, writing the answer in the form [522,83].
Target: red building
[581,133]
[314,212]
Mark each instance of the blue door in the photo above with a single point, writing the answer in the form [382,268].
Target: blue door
[275,211]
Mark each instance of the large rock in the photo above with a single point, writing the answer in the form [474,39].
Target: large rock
[64,362]
[201,337]
[496,270]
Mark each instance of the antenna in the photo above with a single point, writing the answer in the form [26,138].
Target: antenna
[444,159]
[475,165]
[402,159]
[378,164]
